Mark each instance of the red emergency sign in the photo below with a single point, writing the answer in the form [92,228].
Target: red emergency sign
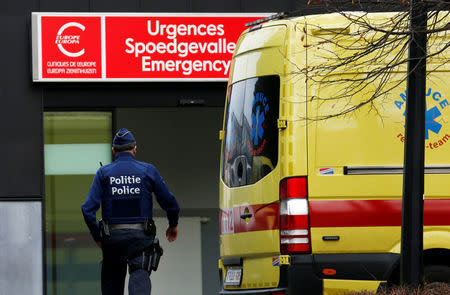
[71,47]
[135,47]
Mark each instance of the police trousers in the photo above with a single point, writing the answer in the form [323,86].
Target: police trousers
[125,247]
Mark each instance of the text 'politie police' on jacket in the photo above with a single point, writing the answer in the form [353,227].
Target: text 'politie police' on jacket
[125,181]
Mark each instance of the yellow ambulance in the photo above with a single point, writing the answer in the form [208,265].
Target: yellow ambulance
[310,178]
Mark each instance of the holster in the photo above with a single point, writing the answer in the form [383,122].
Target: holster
[149,227]
[157,253]
[104,229]
[150,258]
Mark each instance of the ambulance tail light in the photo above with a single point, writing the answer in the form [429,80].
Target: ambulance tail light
[294,216]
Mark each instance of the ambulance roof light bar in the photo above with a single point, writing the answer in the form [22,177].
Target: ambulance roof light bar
[279,15]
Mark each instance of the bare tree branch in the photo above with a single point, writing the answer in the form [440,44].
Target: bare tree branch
[368,56]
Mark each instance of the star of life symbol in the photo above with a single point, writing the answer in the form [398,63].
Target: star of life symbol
[430,116]
[260,110]
[430,123]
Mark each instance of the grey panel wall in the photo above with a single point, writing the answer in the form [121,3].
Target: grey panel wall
[111,95]
[20,248]
[64,5]
[20,112]
[216,6]
[165,6]
[267,5]
[115,5]
[19,8]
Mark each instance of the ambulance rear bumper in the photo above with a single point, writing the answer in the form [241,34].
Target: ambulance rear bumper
[297,278]
[304,274]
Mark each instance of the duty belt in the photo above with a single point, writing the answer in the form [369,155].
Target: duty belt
[127,226]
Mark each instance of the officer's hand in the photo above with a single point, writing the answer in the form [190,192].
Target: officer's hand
[172,233]
[99,244]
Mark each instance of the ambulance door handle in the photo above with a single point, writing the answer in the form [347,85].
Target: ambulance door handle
[330,238]
[246,215]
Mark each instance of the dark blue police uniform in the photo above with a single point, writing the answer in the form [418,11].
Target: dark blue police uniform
[124,189]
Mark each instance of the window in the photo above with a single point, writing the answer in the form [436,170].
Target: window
[250,148]
[74,144]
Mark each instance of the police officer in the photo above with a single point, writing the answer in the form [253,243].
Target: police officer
[124,190]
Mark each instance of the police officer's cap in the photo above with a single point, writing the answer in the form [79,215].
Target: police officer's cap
[124,140]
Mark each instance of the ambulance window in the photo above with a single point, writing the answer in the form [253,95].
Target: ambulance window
[233,127]
[250,149]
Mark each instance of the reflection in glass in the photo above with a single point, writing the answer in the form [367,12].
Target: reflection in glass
[74,144]
[250,149]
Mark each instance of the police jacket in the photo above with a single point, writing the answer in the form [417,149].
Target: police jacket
[124,189]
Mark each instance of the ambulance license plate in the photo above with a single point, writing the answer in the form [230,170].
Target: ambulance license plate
[233,277]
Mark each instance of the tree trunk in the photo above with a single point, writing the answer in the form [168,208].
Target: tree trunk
[413,179]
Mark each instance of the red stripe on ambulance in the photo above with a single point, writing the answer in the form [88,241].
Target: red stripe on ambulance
[347,213]
[366,213]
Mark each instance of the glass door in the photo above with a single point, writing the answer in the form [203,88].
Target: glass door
[75,145]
